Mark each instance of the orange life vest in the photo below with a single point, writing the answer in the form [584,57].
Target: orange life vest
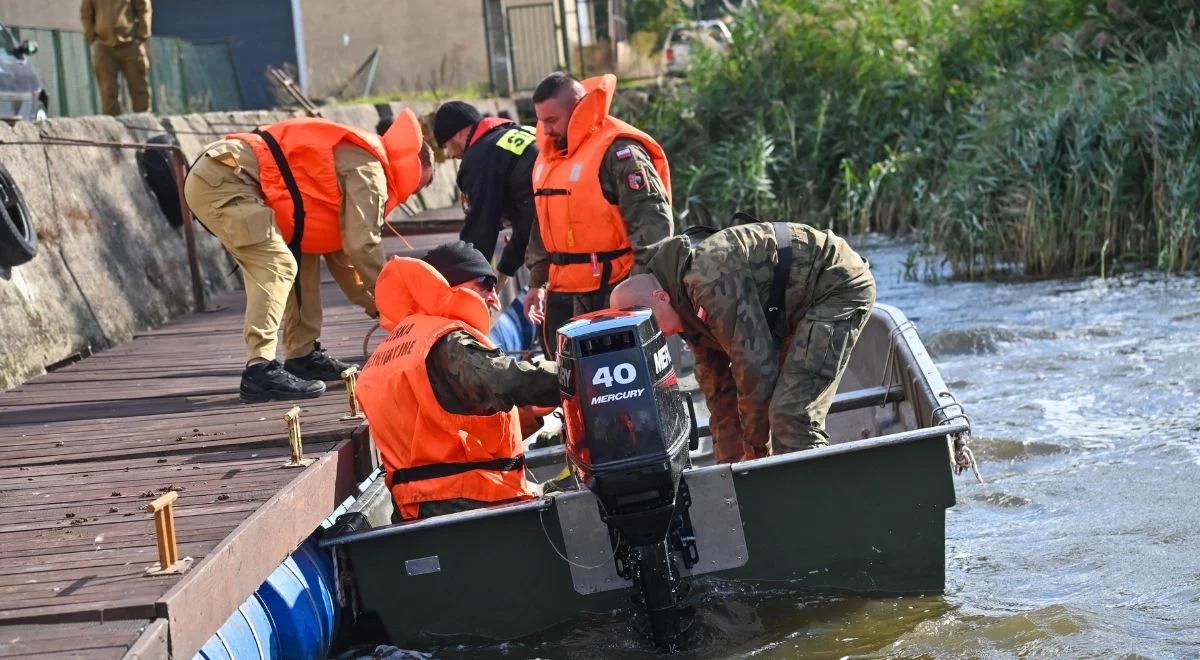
[583,232]
[299,180]
[431,454]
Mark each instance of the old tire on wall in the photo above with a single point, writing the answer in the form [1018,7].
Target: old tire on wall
[158,169]
[18,236]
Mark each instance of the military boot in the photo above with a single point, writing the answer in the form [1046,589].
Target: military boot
[267,381]
[318,365]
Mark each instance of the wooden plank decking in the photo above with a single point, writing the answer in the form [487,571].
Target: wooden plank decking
[83,449]
[94,641]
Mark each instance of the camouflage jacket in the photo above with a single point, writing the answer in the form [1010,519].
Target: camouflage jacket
[720,288]
[647,211]
[469,379]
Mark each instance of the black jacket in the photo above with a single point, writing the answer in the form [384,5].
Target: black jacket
[496,180]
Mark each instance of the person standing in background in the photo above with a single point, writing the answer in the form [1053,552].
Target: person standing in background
[119,32]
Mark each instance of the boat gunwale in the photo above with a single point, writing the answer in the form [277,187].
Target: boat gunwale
[545,502]
[903,337]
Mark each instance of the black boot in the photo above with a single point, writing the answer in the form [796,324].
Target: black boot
[317,365]
[268,381]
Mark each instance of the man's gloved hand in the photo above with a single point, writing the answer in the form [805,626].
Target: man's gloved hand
[371,310]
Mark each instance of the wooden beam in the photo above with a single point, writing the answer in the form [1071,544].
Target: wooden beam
[210,592]
[152,644]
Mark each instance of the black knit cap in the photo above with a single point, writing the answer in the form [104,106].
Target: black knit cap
[459,262]
[451,118]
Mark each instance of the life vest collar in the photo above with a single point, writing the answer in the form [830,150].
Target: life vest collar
[408,286]
[587,117]
[402,141]
[485,126]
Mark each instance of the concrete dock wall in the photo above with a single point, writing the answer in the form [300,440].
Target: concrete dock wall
[109,264]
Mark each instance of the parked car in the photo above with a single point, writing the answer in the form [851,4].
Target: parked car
[684,39]
[21,92]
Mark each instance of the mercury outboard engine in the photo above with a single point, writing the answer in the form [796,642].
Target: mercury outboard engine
[629,428]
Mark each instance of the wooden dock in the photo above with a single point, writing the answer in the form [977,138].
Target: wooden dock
[83,449]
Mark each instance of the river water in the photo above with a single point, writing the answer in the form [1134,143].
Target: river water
[1085,542]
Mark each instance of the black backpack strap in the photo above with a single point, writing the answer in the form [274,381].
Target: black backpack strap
[697,233]
[289,180]
[781,279]
[743,218]
[438,470]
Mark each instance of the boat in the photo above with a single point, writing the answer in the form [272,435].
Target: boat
[865,515]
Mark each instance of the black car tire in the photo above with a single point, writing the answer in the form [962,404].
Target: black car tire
[18,237]
[158,169]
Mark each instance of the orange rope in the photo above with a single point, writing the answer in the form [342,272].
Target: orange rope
[398,235]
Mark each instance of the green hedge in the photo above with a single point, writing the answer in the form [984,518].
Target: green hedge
[992,127]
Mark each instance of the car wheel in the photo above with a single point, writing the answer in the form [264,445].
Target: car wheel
[158,169]
[18,237]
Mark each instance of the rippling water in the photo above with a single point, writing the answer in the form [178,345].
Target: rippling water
[1086,540]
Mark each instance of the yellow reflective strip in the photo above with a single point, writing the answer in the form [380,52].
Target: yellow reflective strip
[515,141]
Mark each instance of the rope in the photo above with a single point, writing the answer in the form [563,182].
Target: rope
[367,339]
[175,131]
[399,235]
[561,555]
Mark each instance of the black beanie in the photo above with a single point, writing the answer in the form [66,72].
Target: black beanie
[458,262]
[451,118]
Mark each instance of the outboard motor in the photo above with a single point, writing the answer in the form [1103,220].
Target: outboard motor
[629,429]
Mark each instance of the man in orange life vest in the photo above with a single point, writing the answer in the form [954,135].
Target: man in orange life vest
[440,398]
[603,192]
[281,197]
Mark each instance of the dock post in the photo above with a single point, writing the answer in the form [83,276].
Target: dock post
[295,439]
[350,377]
[169,562]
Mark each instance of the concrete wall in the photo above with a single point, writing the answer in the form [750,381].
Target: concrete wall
[426,43]
[109,264]
[60,14]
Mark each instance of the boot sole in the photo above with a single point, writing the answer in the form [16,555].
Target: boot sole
[263,397]
[321,377]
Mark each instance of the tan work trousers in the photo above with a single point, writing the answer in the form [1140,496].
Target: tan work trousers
[302,325]
[132,60]
[234,211]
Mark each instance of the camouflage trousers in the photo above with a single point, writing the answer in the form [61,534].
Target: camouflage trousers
[814,359]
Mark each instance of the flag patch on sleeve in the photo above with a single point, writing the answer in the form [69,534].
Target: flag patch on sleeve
[624,154]
[701,313]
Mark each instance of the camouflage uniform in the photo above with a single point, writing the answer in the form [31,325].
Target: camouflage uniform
[469,379]
[756,389]
[647,214]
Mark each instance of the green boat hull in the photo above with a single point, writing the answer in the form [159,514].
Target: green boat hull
[864,516]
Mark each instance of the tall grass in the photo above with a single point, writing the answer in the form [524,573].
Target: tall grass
[1009,133]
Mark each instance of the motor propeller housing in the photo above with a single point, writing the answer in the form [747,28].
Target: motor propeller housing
[629,428]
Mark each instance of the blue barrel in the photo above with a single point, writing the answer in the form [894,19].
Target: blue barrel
[292,615]
[511,331]
[249,633]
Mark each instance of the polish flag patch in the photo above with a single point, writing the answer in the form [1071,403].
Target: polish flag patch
[624,154]
[701,314]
